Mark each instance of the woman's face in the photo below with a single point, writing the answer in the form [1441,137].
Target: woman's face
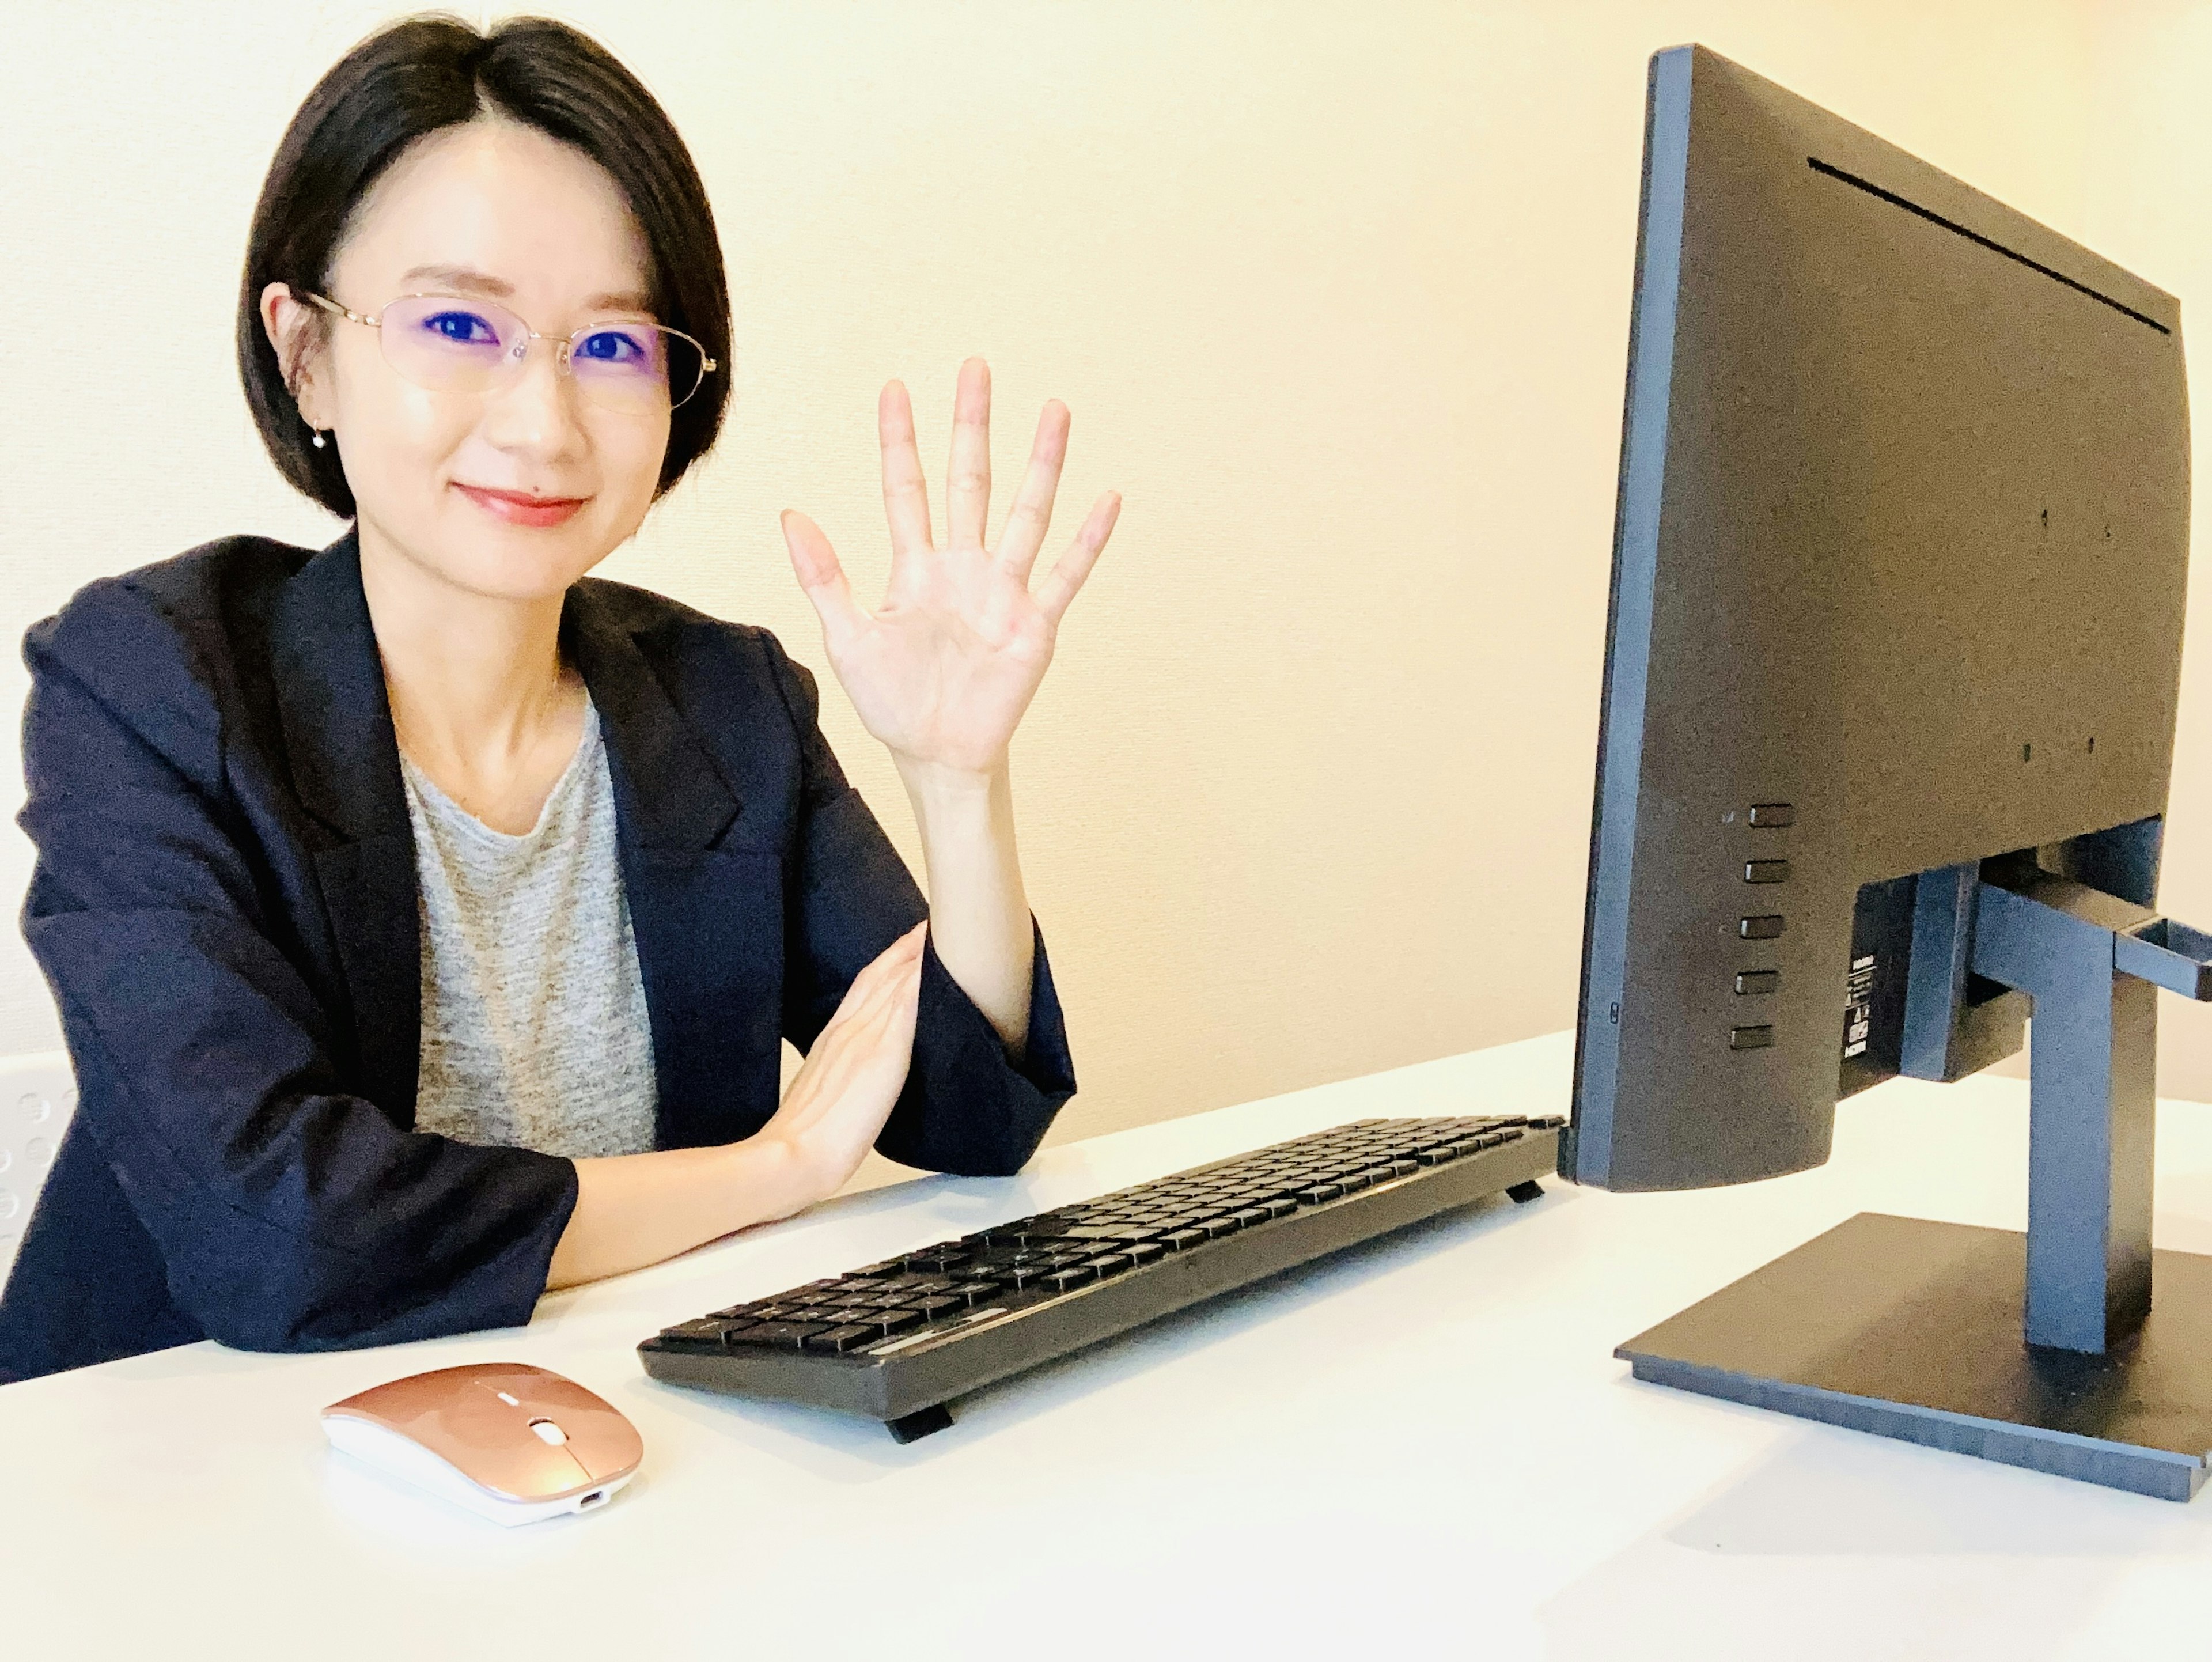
[518,490]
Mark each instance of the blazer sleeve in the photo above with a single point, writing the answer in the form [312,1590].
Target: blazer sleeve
[290,1214]
[968,1107]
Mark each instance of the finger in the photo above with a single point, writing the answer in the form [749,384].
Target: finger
[883,970]
[879,1038]
[906,494]
[820,574]
[1065,579]
[876,979]
[968,482]
[1025,527]
[845,1047]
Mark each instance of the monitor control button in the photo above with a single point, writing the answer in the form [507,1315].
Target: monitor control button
[1751,1039]
[1774,814]
[1767,871]
[1760,929]
[1752,981]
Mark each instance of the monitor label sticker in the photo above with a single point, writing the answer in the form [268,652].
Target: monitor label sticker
[1858,1005]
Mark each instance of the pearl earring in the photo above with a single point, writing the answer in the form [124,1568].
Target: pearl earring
[319,440]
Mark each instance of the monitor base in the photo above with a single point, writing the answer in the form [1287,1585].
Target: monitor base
[1912,1329]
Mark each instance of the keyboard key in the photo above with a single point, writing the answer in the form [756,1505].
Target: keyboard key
[937,1304]
[1179,1240]
[838,1339]
[896,1321]
[781,1336]
[1074,1275]
[1318,1193]
[704,1334]
[1252,1214]
[1376,1174]
[1280,1209]
[1108,1263]
[1144,1252]
[1222,1225]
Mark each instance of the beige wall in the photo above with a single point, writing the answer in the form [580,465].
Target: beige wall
[2149,157]
[1338,295]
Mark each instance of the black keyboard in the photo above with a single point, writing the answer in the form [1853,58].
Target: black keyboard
[896,1341]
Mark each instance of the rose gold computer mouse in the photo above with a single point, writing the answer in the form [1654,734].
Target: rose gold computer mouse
[510,1442]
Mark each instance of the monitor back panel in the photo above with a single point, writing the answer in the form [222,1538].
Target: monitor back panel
[1899,557]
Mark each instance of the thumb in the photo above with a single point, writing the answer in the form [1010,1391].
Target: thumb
[814,564]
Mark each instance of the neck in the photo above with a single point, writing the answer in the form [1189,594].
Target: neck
[473,679]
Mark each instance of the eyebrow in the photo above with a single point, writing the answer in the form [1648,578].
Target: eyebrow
[465,277]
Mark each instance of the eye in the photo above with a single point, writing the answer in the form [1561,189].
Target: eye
[460,328]
[616,346]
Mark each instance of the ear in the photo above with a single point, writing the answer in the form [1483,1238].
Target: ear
[294,330]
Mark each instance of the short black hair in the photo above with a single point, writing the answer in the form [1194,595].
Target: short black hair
[425,73]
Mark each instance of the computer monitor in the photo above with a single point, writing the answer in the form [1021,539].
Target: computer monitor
[1891,675]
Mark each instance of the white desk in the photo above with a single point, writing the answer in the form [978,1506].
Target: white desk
[1425,1444]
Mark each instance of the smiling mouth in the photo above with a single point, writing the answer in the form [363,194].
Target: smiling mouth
[518,507]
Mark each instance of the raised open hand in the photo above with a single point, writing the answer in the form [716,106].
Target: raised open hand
[943,670]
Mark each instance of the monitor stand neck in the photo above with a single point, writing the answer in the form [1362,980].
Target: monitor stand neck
[2093,964]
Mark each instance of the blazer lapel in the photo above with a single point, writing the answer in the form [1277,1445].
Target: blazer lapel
[706,907]
[345,759]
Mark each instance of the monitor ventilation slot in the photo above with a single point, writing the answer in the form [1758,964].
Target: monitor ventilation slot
[1952,225]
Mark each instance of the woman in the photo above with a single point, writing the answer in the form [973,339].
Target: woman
[426,917]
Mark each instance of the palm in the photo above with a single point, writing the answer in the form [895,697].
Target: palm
[943,670]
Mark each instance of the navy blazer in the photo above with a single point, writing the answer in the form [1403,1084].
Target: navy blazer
[225,905]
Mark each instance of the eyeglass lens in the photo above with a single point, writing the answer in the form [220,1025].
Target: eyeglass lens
[455,345]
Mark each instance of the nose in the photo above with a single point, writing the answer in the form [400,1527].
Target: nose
[534,414]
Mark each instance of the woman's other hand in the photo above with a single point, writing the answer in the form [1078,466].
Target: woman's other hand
[635,1209]
[942,672]
[844,1090]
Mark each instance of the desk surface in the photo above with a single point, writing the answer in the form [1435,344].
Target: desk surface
[1426,1440]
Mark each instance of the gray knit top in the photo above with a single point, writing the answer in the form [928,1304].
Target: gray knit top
[534,1026]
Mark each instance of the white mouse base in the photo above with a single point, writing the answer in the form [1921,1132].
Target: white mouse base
[409,1461]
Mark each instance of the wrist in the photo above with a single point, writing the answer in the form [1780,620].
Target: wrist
[776,1176]
[933,784]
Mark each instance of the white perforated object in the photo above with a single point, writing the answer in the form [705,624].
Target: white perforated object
[38,1093]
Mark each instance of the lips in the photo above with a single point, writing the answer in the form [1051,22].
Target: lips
[520,507]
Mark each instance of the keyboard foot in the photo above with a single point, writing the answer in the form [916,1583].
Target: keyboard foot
[920,1423]
[1521,1193]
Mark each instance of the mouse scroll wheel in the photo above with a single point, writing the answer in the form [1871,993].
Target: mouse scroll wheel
[549,1432]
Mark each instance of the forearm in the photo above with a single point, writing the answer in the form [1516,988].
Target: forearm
[979,913]
[637,1209]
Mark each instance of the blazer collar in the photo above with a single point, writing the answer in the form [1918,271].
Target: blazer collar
[329,696]
[345,755]
[669,794]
